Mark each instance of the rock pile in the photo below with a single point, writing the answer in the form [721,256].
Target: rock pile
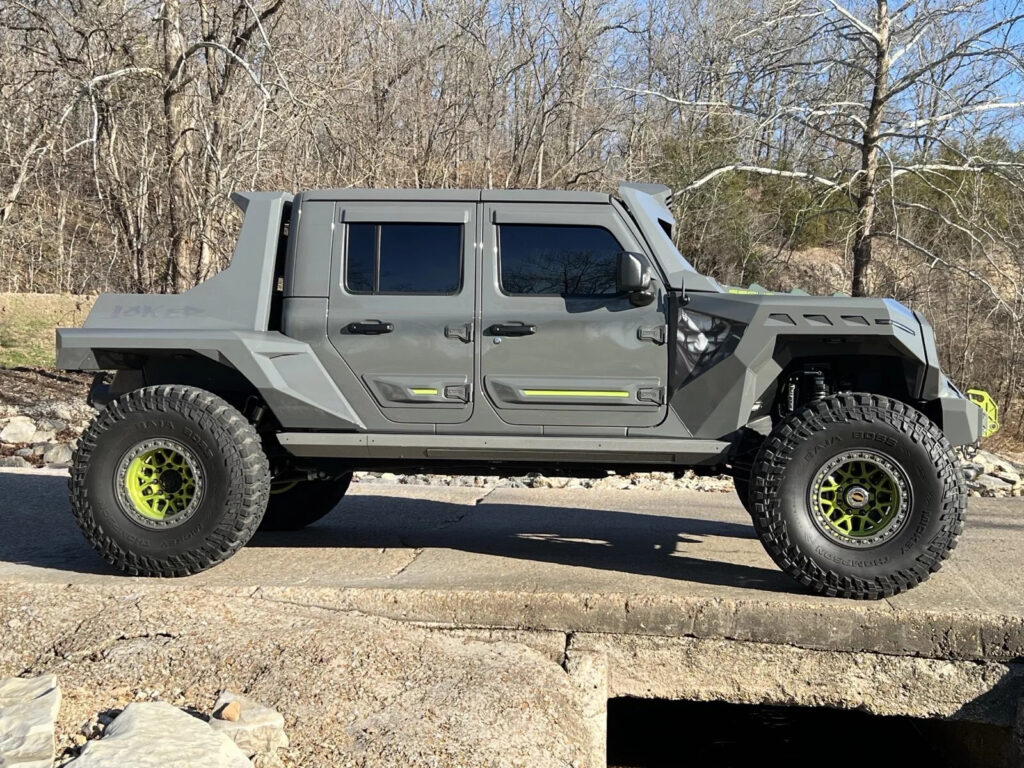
[44,436]
[990,475]
[240,733]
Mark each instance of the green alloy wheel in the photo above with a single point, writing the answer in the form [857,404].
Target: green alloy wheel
[160,481]
[859,498]
[857,495]
[169,480]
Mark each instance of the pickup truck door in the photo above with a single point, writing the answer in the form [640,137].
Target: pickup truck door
[559,346]
[401,308]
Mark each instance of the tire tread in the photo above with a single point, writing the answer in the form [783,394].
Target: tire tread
[238,443]
[794,431]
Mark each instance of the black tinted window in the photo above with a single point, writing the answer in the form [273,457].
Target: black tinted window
[557,260]
[404,258]
[361,266]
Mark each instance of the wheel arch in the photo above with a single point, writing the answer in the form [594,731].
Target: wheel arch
[285,373]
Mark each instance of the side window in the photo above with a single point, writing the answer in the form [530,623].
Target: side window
[557,260]
[404,258]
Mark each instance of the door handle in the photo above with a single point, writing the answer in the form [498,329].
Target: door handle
[370,327]
[512,329]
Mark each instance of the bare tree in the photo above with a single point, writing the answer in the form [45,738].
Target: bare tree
[880,96]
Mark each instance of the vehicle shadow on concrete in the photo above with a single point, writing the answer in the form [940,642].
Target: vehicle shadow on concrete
[37,529]
[673,547]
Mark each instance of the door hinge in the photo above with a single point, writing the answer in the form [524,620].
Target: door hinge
[463,333]
[654,395]
[458,392]
[655,333]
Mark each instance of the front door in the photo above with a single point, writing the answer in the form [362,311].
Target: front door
[402,303]
[560,347]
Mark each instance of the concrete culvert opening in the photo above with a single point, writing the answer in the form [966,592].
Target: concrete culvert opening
[650,733]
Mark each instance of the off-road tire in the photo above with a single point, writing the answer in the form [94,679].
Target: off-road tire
[741,482]
[303,504]
[803,444]
[228,506]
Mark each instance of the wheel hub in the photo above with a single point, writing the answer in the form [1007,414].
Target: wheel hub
[159,483]
[171,481]
[859,498]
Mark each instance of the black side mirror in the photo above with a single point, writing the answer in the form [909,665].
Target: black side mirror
[634,277]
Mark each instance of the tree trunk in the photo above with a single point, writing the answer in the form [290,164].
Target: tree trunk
[866,188]
[176,148]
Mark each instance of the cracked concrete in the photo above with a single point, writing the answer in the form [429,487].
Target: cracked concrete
[443,623]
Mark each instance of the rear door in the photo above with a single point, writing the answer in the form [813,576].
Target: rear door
[559,346]
[402,305]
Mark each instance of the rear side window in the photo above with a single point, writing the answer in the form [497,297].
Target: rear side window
[404,258]
[557,260]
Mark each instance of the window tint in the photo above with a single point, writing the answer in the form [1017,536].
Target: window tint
[404,258]
[557,260]
[362,257]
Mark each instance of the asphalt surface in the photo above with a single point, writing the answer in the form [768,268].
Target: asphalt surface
[520,539]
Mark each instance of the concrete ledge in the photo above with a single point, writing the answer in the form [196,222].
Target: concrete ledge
[839,626]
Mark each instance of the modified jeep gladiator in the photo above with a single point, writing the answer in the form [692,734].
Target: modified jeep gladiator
[505,332]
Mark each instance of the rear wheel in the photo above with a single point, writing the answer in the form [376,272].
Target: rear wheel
[858,496]
[294,504]
[168,481]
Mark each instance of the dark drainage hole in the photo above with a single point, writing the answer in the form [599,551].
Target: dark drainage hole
[645,733]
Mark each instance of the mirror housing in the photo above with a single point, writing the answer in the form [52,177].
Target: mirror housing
[633,277]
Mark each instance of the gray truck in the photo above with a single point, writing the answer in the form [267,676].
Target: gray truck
[506,332]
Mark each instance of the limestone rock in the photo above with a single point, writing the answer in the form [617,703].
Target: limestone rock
[256,729]
[19,429]
[57,453]
[990,485]
[51,425]
[157,735]
[14,461]
[991,463]
[28,713]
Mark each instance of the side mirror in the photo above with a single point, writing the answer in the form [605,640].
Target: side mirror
[634,277]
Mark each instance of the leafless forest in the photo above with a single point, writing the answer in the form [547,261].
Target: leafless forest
[826,144]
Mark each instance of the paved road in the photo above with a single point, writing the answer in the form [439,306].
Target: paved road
[512,539]
[564,559]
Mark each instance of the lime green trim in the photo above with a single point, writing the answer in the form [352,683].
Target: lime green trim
[858,498]
[159,483]
[424,391]
[574,393]
[282,486]
[984,401]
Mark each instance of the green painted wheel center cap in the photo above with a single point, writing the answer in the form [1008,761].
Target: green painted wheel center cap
[860,498]
[159,483]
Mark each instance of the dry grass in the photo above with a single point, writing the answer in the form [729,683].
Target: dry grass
[28,321]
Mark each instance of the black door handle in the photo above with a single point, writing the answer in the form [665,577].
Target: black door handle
[370,327]
[512,329]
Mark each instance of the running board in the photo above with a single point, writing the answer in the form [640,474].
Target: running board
[614,450]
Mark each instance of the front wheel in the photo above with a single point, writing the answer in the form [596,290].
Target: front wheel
[858,496]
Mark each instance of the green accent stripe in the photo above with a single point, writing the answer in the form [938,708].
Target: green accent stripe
[424,391]
[574,393]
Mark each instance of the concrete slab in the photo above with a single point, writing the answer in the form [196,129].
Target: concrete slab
[370,630]
[568,560]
